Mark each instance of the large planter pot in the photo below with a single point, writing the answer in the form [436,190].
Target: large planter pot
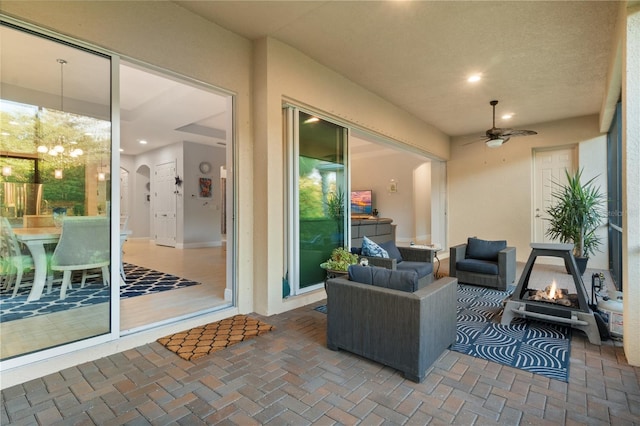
[581,262]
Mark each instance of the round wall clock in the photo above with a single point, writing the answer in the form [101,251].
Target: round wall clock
[205,167]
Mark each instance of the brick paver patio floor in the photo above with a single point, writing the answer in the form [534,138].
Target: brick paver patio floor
[288,376]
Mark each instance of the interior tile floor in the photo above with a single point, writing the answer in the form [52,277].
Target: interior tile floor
[288,376]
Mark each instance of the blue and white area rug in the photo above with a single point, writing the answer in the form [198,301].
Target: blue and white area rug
[534,346]
[140,281]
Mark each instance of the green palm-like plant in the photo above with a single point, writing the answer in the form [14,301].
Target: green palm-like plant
[576,214]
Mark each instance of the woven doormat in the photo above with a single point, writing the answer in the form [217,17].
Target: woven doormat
[200,341]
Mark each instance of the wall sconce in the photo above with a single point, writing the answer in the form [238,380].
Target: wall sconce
[393,185]
[6,170]
[57,173]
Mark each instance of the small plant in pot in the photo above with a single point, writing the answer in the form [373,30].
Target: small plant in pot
[340,260]
[576,215]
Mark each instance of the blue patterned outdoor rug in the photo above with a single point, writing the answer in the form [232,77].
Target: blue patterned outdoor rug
[534,346]
[140,281]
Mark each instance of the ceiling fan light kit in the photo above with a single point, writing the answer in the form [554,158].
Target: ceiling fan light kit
[496,137]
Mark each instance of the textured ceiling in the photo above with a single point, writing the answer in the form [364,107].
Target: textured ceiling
[543,61]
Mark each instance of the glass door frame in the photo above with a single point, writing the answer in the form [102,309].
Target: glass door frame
[114,308]
[291,130]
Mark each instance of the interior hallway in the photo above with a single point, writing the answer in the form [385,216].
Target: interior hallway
[288,376]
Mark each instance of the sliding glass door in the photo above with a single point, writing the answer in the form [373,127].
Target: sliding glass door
[317,201]
[56,172]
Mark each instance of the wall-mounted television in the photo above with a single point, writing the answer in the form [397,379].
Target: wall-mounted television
[362,202]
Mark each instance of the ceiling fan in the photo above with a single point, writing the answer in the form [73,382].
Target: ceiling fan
[497,136]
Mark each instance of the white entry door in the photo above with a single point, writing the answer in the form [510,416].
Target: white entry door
[164,205]
[550,166]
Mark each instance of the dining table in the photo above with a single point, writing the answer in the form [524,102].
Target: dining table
[35,239]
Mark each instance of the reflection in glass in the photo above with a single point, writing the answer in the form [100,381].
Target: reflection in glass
[321,190]
[56,143]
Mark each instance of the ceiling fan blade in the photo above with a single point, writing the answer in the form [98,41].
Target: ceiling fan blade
[517,132]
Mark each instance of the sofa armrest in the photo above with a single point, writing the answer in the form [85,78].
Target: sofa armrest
[456,253]
[507,265]
[413,254]
[382,262]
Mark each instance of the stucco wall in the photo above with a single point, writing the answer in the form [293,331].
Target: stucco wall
[631,185]
[490,190]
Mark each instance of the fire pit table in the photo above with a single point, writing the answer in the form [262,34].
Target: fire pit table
[553,304]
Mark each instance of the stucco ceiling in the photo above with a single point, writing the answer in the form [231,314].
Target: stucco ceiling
[543,60]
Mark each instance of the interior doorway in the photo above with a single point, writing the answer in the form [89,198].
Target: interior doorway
[171,129]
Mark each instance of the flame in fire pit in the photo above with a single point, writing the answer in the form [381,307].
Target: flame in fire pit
[552,294]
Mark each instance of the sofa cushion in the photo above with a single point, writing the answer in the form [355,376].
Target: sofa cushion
[382,277]
[483,249]
[422,269]
[370,248]
[392,250]
[478,266]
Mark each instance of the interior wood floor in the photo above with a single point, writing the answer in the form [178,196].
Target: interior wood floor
[204,265]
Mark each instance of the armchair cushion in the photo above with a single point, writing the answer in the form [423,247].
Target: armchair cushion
[423,269]
[483,249]
[370,248]
[382,277]
[479,266]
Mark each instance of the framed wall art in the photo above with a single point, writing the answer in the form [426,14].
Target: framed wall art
[205,188]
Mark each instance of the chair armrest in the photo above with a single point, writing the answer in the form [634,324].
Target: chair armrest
[381,262]
[413,254]
[507,265]
[456,253]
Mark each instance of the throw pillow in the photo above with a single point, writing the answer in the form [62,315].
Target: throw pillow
[391,248]
[370,248]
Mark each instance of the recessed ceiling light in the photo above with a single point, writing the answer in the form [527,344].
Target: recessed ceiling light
[474,78]
[142,142]
[507,116]
[121,150]
[312,120]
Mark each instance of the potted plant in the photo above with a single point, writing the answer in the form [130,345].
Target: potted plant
[335,209]
[576,215]
[339,262]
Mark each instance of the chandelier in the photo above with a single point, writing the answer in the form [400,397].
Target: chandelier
[58,148]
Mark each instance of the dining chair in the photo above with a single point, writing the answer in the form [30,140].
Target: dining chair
[83,245]
[16,259]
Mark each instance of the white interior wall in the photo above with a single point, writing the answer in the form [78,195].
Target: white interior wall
[202,215]
[491,190]
[422,204]
[439,205]
[376,173]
